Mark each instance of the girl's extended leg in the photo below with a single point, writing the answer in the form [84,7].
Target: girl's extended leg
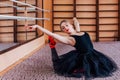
[58,65]
[55,57]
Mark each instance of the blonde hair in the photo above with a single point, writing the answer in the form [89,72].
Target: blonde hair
[62,22]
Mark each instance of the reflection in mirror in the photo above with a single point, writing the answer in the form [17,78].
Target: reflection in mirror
[13,32]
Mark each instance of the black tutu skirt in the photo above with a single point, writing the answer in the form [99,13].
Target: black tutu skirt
[91,64]
[85,60]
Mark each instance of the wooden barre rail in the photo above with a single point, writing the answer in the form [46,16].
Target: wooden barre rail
[21,18]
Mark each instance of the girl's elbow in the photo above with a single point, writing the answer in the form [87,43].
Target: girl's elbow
[64,42]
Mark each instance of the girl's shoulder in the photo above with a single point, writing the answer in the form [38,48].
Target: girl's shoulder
[79,34]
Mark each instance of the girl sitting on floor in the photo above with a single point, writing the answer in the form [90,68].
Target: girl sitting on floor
[85,60]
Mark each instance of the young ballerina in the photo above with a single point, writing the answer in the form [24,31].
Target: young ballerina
[85,60]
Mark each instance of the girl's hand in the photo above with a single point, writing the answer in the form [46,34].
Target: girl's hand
[32,27]
[77,24]
[35,26]
[74,18]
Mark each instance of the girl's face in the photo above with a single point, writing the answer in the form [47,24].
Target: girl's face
[67,27]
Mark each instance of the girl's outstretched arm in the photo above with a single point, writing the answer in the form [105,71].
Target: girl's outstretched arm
[76,24]
[63,39]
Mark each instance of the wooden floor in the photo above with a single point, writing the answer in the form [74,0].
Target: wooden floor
[39,66]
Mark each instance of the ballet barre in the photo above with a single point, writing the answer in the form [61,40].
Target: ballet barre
[26,4]
[18,8]
[3,4]
[21,18]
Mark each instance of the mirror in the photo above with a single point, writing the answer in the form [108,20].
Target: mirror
[13,31]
